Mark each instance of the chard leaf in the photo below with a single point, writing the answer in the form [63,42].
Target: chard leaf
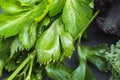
[67,44]
[58,72]
[76,15]
[28,36]
[56,7]
[12,6]
[16,46]
[13,26]
[48,46]
[28,2]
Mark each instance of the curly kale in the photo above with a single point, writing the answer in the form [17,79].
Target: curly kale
[113,57]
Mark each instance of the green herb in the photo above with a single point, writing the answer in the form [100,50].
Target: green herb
[36,36]
[113,58]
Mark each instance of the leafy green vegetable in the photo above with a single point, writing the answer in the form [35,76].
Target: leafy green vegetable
[113,57]
[10,28]
[36,37]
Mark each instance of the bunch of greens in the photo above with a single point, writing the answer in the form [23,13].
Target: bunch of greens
[36,36]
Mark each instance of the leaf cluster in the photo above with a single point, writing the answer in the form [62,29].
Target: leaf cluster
[36,36]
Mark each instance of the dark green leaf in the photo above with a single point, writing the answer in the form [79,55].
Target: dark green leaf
[89,74]
[11,66]
[79,73]
[33,77]
[96,55]
[82,72]
[39,74]
[58,72]
[76,16]
[4,52]
[5,47]
[2,64]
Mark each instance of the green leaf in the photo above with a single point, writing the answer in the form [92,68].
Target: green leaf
[5,47]
[2,64]
[96,55]
[42,25]
[39,74]
[58,72]
[82,72]
[48,46]
[28,2]
[13,26]
[79,72]
[44,8]
[67,44]
[28,36]
[76,16]
[12,6]
[89,74]
[16,46]
[4,52]
[56,7]
[33,77]
[11,66]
